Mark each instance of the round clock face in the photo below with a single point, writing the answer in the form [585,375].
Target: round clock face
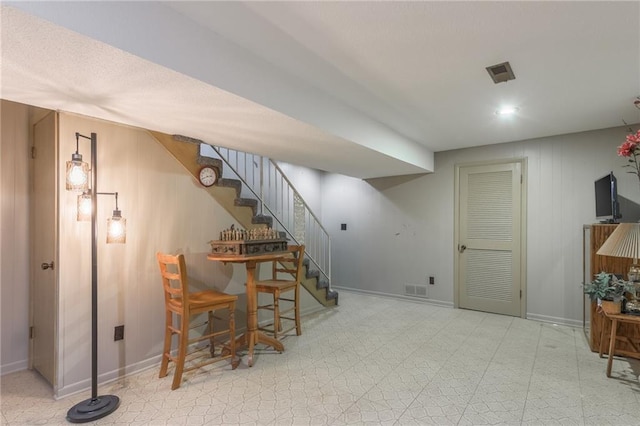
[208,176]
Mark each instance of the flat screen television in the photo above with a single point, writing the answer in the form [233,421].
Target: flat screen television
[607,207]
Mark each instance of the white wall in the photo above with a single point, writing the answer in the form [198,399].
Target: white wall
[14,235]
[400,230]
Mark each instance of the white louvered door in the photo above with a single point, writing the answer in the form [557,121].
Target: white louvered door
[489,243]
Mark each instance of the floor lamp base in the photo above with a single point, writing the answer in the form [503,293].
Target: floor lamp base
[93,409]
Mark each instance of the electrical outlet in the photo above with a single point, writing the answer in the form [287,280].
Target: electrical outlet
[432,280]
[118,333]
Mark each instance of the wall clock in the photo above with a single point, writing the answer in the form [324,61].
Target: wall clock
[207,176]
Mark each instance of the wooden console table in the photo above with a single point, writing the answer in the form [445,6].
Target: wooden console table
[253,336]
[599,325]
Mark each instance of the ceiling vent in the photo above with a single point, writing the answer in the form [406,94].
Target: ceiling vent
[501,72]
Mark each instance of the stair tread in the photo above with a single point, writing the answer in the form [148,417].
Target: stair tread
[208,161]
[230,183]
[322,284]
[246,202]
[262,219]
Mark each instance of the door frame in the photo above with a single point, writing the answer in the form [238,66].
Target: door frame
[523,228]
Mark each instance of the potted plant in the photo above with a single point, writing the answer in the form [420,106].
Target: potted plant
[608,290]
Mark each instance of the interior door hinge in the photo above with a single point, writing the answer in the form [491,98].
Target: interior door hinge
[33,152]
[520,294]
[521,179]
[31,332]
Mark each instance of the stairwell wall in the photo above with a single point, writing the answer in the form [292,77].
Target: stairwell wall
[400,229]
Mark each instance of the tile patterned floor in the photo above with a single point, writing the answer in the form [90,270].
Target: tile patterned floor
[376,361]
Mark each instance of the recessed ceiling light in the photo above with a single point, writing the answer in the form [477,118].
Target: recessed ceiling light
[507,110]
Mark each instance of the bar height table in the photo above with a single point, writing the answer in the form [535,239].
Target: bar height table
[253,336]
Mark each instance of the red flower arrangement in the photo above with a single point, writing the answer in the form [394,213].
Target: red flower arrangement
[631,148]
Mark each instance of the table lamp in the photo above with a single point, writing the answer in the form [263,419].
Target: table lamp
[624,241]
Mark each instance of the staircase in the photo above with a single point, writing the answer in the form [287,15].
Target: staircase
[256,193]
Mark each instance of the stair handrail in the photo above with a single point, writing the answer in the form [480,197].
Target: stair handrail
[306,206]
[319,256]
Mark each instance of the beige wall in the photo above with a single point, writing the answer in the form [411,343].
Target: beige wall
[166,210]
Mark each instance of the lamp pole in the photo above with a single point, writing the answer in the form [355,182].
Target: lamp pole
[95,407]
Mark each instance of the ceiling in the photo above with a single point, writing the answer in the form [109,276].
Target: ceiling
[366,89]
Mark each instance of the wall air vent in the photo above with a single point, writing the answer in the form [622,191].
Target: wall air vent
[501,72]
[415,290]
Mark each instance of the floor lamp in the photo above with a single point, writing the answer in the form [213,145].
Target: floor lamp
[77,179]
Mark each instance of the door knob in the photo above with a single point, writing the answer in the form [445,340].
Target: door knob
[462,248]
[47,265]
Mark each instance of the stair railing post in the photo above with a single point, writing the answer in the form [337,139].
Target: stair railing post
[261,185]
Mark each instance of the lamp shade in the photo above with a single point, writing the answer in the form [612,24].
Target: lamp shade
[77,176]
[624,241]
[84,207]
[116,228]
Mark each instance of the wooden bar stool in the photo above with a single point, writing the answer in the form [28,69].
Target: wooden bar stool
[276,286]
[179,302]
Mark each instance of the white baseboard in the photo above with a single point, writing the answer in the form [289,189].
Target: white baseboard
[12,367]
[425,300]
[108,377]
[534,317]
[555,320]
